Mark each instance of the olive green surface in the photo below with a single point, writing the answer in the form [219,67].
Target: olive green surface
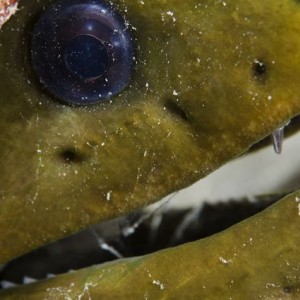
[255,259]
[193,103]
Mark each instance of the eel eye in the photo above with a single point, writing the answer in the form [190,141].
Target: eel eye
[81,51]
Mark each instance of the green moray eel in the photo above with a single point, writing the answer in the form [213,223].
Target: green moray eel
[195,101]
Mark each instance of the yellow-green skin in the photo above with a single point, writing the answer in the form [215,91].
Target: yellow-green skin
[133,150]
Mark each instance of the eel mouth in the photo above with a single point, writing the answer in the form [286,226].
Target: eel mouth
[139,233]
[142,232]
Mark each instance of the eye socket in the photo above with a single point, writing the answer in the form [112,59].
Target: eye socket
[82,51]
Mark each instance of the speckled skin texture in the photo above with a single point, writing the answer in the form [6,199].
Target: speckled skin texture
[195,101]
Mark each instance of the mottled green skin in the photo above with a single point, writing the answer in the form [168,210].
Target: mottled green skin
[133,148]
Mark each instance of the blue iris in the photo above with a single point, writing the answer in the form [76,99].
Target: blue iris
[82,51]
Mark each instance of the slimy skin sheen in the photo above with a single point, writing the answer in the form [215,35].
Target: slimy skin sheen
[208,79]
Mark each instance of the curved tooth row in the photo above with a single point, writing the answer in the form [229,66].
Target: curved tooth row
[6,284]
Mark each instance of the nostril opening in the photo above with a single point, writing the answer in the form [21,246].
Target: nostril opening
[174,109]
[287,290]
[259,69]
[71,155]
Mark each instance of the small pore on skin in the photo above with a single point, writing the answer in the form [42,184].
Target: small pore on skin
[259,70]
[71,155]
[174,109]
[287,290]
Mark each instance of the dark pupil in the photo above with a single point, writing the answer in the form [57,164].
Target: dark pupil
[86,56]
[82,51]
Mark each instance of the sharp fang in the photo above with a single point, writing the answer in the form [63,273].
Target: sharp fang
[277,138]
[104,246]
[190,217]
[28,280]
[7,284]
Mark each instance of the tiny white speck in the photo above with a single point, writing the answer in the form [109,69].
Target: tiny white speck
[157,282]
[108,195]
[224,261]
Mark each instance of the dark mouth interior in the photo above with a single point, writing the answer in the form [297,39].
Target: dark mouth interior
[136,234]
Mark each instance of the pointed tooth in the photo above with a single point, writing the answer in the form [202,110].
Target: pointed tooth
[7,284]
[28,280]
[277,137]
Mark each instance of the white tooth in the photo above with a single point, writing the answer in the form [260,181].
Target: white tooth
[7,284]
[27,280]
[277,138]
[50,275]
[185,223]
[103,245]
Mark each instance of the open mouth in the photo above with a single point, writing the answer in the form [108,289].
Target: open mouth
[112,105]
[137,234]
[142,232]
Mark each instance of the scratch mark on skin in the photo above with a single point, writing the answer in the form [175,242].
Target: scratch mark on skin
[39,166]
[298,202]
[86,291]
